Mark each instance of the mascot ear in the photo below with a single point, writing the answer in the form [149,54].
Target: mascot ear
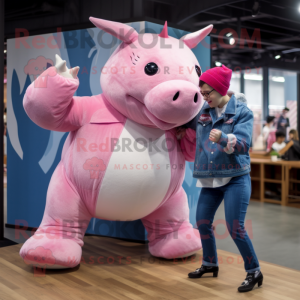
[194,38]
[121,31]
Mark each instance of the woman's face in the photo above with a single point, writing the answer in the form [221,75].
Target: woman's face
[291,136]
[214,98]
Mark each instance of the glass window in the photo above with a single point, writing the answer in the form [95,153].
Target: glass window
[254,95]
[235,83]
[282,93]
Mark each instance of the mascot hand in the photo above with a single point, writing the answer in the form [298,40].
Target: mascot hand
[63,70]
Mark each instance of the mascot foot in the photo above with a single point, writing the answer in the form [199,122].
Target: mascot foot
[51,253]
[176,244]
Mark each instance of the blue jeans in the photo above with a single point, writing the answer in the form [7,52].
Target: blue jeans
[236,194]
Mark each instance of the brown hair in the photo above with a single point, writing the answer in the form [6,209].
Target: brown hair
[201,83]
[295,133]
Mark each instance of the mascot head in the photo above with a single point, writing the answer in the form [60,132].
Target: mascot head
[152,79]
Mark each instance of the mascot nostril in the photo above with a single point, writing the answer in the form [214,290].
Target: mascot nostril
[176,96]
[196,98]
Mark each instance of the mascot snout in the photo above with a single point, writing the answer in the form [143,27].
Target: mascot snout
[173,102]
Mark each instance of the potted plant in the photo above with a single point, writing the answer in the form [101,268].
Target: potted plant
[274,155]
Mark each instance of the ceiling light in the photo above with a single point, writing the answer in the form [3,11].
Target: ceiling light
[218,64]
[236,75]
[229,34]
[278,79]
[277,56]
[253,77]
[4,51]
[232,41]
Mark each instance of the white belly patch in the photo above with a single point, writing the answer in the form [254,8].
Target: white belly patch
[137,177]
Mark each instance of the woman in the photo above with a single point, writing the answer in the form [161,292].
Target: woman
[292,149]
[267,128]
[222,165]
[293,135]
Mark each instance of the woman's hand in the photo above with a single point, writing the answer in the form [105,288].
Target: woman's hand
[286,148]
[215,135]
[180,132]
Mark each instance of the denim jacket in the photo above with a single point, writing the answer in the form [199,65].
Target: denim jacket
[229,157]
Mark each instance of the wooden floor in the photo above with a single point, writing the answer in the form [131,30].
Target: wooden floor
[116,269]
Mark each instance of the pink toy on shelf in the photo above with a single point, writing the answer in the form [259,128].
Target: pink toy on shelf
[121,160]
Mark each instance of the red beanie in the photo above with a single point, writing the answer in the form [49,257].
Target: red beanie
[218,78]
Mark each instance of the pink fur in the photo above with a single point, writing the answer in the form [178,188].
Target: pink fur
[92,121]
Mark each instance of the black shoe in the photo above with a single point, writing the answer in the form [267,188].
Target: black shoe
[204,269]
[251,280]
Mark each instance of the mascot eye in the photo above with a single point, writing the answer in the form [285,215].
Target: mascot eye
[198,70]
[151,69]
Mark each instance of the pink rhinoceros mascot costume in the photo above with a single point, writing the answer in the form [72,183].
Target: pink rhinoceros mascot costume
[121,160]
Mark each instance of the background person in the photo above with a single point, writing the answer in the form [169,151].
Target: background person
[267,128]
[280,138]
[283,121]
[292,150]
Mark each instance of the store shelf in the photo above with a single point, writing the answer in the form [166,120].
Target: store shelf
[272,180]
[295,181]
[275,182]
[255,190]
